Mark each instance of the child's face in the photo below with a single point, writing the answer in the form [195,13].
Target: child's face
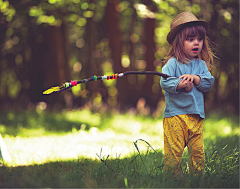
[193,46]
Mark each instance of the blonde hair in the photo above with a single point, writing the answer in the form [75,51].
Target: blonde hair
[177,51]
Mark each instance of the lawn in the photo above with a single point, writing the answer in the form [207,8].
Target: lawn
[82,149]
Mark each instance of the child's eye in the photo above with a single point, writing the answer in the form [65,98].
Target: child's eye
[190,39]
[200,39]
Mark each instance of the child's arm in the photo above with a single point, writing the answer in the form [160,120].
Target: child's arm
[206,81]
[170,84]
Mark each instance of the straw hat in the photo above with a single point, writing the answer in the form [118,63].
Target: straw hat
[182,20]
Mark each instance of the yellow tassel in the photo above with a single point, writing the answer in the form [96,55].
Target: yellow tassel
[54,89]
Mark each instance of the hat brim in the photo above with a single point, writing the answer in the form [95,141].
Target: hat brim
[171,35]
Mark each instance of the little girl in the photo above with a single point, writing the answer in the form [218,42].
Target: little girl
[188,62]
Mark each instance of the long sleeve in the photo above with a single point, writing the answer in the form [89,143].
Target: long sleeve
[207,80]
[170,84]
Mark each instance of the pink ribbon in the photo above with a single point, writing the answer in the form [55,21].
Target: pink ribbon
[74,83]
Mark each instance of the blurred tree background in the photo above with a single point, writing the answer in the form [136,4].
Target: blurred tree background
[47,42]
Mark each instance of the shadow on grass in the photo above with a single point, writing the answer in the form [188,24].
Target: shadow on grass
[31,123]
[87,173]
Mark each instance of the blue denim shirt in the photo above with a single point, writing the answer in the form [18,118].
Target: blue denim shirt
[180,101]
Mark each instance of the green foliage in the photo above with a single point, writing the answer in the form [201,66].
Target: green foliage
[23,29]
[7,10]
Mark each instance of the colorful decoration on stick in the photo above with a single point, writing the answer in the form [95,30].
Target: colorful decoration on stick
[71,84]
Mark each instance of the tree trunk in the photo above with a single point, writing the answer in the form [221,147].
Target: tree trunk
[50,65]
[92,67]
[133,90]
[147,92]
[112,18]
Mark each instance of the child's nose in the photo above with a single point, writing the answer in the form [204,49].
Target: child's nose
[196,42]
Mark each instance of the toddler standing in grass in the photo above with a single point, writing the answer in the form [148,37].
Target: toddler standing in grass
[188,62]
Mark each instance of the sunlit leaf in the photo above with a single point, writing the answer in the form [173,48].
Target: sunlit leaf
[224,32]
[51,19]
[88,14]
[196,8]
[125,61]
[9,18]
[84,6]
[163,5]
[81,22]
[73,17]
[52,1]
[9,32]
[76,1]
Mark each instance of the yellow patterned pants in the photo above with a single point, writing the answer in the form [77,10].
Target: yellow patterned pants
[181,131]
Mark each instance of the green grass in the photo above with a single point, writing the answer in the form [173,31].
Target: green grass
[91,150]
[221,171]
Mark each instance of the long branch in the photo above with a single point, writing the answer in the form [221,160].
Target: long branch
[69,85]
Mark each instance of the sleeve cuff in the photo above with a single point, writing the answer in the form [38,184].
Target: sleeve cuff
[177,91]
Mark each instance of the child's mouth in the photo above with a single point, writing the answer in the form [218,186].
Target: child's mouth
[195,50]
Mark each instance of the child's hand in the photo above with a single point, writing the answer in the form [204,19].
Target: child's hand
[189,86]
[190,78]
[187,78]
